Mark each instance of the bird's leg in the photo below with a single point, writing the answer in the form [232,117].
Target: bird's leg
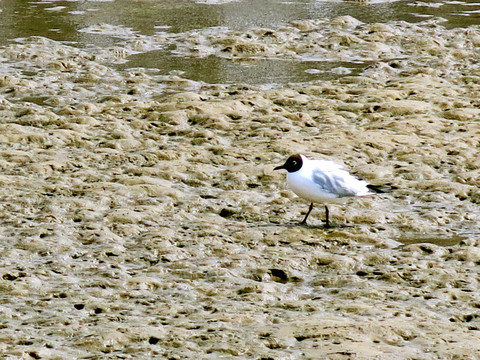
[327,222]
[308,213]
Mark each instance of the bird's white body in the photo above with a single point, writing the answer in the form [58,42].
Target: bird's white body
[324,181]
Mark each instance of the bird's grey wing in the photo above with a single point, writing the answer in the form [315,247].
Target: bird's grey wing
[333,183]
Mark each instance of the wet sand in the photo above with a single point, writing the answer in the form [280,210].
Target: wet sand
[141,217]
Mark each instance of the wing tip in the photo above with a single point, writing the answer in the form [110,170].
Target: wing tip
[381,189]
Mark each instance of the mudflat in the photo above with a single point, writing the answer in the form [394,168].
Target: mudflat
[141,217]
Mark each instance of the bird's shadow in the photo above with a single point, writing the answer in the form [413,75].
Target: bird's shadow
[292,225]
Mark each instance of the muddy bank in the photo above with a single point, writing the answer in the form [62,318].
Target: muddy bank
[141,216]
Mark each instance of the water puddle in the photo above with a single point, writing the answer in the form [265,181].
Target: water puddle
[217,70]
[431,239]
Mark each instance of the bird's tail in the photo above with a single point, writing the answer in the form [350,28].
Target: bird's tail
[381,189]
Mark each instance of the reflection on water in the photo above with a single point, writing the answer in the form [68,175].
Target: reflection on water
[61,20]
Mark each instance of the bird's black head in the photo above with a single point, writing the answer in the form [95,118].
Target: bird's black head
[293,163]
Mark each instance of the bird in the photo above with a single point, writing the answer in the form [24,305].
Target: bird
[323,181]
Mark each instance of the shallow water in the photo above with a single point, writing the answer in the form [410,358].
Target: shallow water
[62,20]
[140,214]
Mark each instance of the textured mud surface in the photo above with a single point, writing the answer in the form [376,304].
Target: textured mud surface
[140,216]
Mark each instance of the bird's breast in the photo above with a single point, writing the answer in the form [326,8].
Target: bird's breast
[304,186]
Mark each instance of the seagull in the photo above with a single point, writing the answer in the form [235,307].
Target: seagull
[323,181]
